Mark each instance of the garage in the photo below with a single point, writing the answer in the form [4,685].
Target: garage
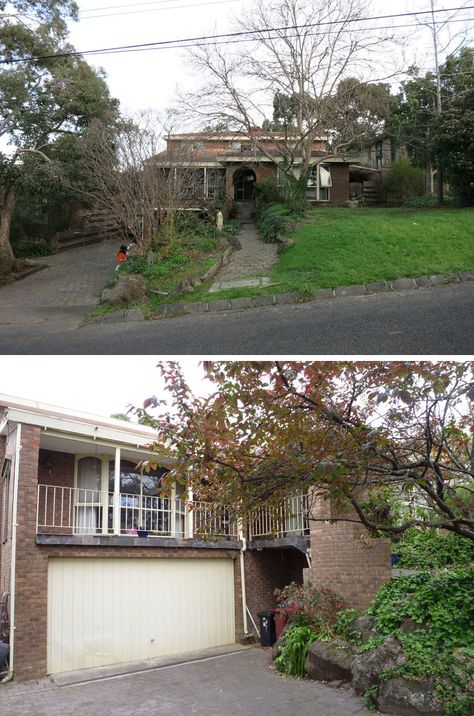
[105,611]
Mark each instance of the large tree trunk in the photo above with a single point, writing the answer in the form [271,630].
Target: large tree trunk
[7,205]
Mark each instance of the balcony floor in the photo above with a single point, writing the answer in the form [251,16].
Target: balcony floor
[127,541]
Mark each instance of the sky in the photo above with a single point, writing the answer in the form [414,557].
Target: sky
[100,385]
[148,79]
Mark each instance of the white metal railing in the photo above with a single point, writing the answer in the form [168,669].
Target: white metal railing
[289,518]
[67,510]
[212,521]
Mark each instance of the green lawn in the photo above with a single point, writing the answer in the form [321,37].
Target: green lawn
[339,246]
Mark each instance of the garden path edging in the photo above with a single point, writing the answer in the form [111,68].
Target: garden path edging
[172,310]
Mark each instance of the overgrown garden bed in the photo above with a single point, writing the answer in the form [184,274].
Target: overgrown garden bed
[412,652]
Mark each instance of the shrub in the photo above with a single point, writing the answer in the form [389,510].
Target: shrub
[273,222]
[442,604]
[267,192]
[421,202]
[25,248]
[314,606]
[403,182]
[431,549]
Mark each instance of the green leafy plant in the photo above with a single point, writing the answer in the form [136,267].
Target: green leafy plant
[315,606]
[370,697]
[403,182]
[432,549]
[292,656]
[440,641]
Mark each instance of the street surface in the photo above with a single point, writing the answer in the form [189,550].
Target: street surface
[425,321]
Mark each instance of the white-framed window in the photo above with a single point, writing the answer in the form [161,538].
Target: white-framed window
[319,183]
[91,497]
[214,182]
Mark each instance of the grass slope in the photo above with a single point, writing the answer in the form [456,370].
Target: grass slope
[339,246]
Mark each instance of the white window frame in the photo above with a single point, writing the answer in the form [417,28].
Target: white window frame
[104,489]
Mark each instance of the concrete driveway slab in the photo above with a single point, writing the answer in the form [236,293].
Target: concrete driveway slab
[239,683]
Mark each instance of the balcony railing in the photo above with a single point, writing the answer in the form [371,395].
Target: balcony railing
[288,519]
[79,511]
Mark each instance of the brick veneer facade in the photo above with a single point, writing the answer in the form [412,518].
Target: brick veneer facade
[268,570]
[32,558]
[345,559]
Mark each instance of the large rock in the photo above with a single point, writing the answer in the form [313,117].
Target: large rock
[367,666]
[365,626]
[409,698]
[329,661]
[126,290]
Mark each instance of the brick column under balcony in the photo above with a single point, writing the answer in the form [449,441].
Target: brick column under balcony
[31,602]
[345,558]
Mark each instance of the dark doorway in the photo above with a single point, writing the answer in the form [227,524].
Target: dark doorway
[244,184]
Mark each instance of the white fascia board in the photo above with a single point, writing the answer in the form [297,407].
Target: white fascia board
[79,427]
[163,460]
[188,164]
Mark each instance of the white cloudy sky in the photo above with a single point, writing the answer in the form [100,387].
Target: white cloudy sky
[148,79]
[101,385]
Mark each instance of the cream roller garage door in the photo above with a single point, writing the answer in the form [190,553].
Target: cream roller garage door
[108,611]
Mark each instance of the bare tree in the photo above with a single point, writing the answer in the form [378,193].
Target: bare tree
[125,175]
[295,49]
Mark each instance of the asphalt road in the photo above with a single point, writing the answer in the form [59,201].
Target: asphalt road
[426,321]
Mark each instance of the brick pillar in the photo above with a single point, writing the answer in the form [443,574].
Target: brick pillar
[345,558]
[267,570]
[31,603]
[2,455]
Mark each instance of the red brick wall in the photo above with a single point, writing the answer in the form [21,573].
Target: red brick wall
[340,183]
[32,559]
[268,570]
[56,468]
[345,559]
[262,173]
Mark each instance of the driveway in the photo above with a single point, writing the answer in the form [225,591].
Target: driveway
[65,290]
[238,683]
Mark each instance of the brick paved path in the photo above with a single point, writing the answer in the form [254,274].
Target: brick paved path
[254,259]
[239,684]
[69,287]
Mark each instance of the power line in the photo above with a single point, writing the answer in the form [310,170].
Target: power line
[156,9]
[244,39]
[178,44]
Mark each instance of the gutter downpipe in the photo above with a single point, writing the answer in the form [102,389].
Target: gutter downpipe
[242,577]
[16,474]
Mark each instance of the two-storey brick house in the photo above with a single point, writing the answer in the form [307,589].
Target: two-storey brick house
[98,566]
[226,167]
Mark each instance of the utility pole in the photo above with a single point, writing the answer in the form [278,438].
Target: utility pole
[434,32]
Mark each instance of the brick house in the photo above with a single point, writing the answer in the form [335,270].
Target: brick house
[100,568]
[223,167]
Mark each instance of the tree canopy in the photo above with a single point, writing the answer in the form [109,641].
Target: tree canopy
[389,443]
[43,99]
[440,138]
